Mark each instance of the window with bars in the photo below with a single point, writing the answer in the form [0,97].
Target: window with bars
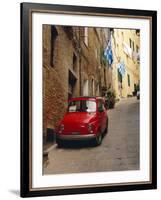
[128,80]
[130,42]
[133,46]
[137,49]
[54,35]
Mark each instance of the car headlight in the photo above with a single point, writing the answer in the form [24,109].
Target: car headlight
[61,128]
[90,128]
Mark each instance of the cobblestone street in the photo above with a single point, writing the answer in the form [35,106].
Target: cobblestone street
[119,149]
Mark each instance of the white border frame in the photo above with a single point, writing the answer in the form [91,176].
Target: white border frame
[80,179]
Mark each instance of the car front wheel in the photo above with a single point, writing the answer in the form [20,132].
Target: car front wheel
[98,139]
[106,129]
[59,143]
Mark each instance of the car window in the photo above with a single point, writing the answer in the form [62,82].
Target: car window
[91,106]
[74,106]
[82,106]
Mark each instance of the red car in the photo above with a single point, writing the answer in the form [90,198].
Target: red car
[85,119]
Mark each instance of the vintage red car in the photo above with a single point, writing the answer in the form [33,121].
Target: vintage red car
[86,119]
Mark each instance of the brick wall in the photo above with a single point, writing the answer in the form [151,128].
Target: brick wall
[55,78]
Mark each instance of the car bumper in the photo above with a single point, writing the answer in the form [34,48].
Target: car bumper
[76,137]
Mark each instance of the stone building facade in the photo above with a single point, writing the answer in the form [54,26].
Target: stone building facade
[126,49]
[71,67]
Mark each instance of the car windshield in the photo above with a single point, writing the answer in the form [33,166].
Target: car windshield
[82,106]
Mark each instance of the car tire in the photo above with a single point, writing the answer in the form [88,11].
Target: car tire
[59,143]
[106,129]
[98,139]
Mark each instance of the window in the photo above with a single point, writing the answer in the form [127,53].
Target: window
[119,76]
[122,33]
[54,35]
[74,62]
[128,80]
[86,36]
[137,32]
[133,46]
[137,49]
[130,42]
[138,54]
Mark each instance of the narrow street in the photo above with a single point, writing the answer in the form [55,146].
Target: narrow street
[119,149]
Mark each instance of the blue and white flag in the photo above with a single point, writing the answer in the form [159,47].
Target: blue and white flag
[108,53]
[121,68]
